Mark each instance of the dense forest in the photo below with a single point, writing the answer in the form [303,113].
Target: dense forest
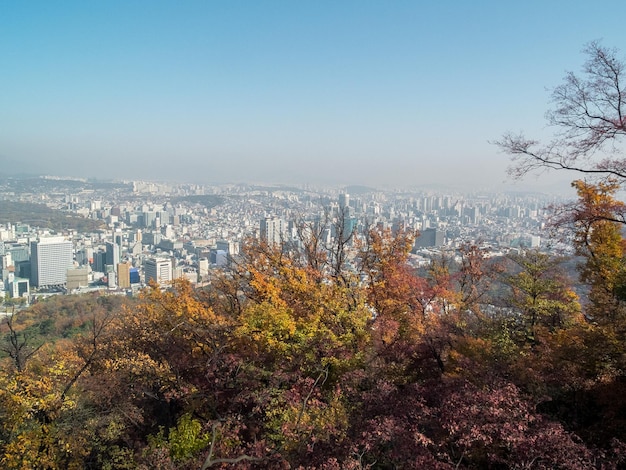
[301,356]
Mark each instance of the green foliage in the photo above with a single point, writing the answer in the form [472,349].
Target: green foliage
[542,295]
[184,440]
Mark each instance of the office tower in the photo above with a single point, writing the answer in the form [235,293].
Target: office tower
[159,270]
[19,288]
[112,254]
[151,238]
[344,200]
[223,245]
[50,259]
[272,229]
[149,219]
[6,267]
[168,232]
[19,252]
[219,257]
[430,237]
[203,266]
[123,275]
[99,261]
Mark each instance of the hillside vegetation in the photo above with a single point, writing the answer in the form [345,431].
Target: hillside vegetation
[292,361]
[40,215]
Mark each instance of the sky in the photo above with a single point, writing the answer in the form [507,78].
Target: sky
[380,93]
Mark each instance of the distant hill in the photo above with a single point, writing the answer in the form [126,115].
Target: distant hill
[207,201]
[36,184]
[40,215]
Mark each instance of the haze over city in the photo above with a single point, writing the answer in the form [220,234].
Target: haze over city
[376,93]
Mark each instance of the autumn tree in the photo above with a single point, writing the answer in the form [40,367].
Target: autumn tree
[540,293]
[418,315]
[596,221]
[474,278]
[48,419]
[300,331]
[589,122]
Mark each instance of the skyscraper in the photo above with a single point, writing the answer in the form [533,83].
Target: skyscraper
[158,269]
[112,254]
[50,259]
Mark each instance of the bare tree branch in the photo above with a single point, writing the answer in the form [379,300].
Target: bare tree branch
[210,461]
[589,115]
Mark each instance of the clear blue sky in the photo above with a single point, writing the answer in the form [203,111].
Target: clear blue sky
[373,92]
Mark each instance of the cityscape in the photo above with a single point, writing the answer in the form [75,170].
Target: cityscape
[159,232]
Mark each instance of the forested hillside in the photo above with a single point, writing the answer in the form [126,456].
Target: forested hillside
[40,215]
[292,361]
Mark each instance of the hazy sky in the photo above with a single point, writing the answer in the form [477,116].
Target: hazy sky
[369,92]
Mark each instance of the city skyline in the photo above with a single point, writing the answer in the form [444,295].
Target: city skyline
[351,93]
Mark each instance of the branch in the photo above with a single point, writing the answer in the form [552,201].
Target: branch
[97,330]
[210,461]
[588,115]
[527,160]
[323,373]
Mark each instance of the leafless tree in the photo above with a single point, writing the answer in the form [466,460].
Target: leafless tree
[589,117]
[338,249]
[310,234]
[18,343]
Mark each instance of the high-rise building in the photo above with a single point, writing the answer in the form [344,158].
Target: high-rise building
[272,229]
[159,270]
[99,261]
[19,252]
[123,275]
[134,276]
[344,200]
[429,237]
[112,254]
[203,266]
[19,288]
[50,259]
[349,226]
